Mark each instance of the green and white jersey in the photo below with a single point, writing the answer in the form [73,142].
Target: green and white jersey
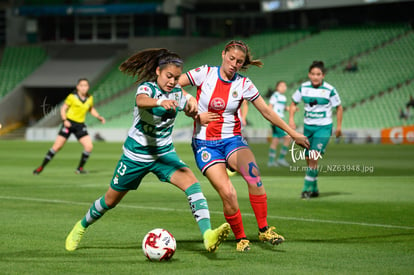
[278,102]
[150,135]
[318,102]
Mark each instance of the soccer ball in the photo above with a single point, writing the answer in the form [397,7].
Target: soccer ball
[159,245]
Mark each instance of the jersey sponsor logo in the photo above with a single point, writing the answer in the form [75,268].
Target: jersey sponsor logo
[217,104]
[205,156]
[315,114]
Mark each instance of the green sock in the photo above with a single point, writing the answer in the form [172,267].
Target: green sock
[283,152]
[95,212]
[272,155]
[310,180]
[199,207]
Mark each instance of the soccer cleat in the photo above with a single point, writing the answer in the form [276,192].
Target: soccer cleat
[74,237]
[283,162]
[80,170]
[271,236]
[314,194]
[243,245]
[213,238]
[272,164]
[38,170]
[231,172]
[306,195]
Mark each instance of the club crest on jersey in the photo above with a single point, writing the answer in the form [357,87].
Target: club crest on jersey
[217,104]
[234,94]
[205,156]
[177,97]
[144,88]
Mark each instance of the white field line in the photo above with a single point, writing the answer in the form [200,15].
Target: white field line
[121,205]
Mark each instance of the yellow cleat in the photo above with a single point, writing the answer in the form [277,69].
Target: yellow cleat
[231,173]
[213,238]
[271,236]
[243,245]
[74,237]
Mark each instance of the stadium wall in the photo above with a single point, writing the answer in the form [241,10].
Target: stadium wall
[184,46]
[15,107]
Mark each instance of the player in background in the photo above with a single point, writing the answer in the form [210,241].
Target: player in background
[277,103]
[218,142]
[319,98]
[73,113]
[149,148]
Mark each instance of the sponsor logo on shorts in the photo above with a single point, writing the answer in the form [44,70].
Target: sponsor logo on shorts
[201,149]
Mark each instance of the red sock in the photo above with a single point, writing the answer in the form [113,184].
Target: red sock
[259,205]
[236,224]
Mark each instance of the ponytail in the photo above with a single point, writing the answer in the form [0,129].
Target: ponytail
[143,64]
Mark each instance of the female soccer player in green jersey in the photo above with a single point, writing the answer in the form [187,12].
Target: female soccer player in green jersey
[278,104]
[319,98]
[149,148]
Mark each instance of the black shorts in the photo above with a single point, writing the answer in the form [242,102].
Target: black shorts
[79,129]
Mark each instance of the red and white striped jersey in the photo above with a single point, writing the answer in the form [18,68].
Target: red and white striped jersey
[220,96]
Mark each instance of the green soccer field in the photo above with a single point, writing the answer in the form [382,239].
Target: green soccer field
[363,221]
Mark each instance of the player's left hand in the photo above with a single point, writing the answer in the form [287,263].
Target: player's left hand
[207,117]
[338,132]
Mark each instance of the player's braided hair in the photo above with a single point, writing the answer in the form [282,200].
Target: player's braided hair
[240,45]
[143,64]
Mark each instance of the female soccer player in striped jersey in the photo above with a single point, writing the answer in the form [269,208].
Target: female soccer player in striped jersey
[149,148]
[73,113]
[218,142]
[278,104]
[319,98]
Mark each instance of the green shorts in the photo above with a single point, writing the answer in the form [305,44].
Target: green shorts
[277,132]
[128,174]
[318,137]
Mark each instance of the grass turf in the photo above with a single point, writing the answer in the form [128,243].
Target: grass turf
[363,221]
